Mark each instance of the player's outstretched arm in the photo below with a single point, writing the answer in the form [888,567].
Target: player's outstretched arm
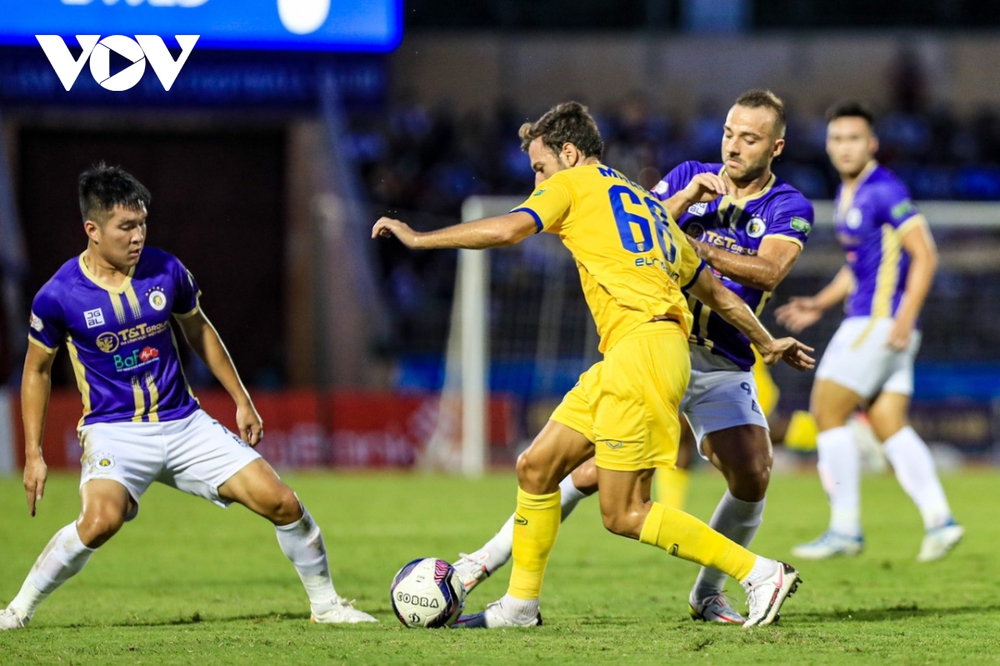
[36,387]
[709,290]
[479,235]
[801,312]
[205,341]
[919,244]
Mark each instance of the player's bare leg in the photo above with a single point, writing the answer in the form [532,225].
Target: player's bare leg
[552,456]
[627,511]
[839,468]
[744,456]
[258,488]
[914,468]
[104,507]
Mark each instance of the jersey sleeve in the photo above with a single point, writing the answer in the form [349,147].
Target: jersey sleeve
[47,325]
[187,292]
[793,221]
[675,181]
[896,207]
[549,204]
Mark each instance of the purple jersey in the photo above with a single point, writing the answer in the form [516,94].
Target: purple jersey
[739,226]
[124,354]
[870,226]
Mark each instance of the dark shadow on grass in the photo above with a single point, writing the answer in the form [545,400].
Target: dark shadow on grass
[196,618]
[888,613]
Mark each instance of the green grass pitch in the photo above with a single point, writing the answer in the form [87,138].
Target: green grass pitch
[188,583]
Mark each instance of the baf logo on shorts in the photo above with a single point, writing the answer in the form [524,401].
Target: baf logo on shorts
[138,51]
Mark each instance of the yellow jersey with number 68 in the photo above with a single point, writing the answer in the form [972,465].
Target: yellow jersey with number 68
[633,259]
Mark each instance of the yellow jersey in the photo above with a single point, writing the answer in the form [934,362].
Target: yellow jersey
[632,257]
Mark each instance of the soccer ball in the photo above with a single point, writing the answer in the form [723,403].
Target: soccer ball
[427,593]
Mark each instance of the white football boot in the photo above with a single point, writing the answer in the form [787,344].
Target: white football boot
[495,617]
[714,608]
[939,541]
[472,569]
[10,619]
[341,611]
[765,597]
[829,544]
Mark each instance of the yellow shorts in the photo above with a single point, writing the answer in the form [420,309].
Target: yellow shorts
[628,403]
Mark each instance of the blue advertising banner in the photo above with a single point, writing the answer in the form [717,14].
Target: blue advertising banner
[292,25]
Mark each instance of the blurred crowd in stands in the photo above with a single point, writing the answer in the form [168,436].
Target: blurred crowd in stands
[421,162]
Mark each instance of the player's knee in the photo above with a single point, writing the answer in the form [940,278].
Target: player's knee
[97,525]
[622,523]
[284,506]
[533,475]
[585,477]
[749,483]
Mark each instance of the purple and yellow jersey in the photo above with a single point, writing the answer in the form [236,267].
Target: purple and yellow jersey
[123,351]
[630,254]
[739,226]
[870,225]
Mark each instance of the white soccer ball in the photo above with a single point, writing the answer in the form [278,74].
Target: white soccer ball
[427,593]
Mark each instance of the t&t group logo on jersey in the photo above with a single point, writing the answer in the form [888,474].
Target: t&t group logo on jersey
[138,51]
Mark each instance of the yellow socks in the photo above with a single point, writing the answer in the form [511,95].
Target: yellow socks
[684,536]
[536,524]
[672,487]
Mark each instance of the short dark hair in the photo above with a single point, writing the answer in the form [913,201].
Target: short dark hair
[850,108]
[761,98]
[101,188]
[569,122]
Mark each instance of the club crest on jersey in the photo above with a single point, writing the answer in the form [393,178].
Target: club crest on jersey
[698,209]
[36,323]
[94,317]
[157,299]
[756,227]
[853,218]
[107,342]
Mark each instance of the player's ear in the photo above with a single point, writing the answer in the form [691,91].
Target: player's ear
[93,230]
[779,147]
[571,155]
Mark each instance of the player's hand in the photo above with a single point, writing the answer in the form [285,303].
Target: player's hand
[791,351]
[705,187]
[35,473]
[798,313]
[250,424]
[387,227]
[899,335]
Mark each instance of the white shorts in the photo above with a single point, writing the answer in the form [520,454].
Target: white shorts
[196,454]
[719,396]
[857,358]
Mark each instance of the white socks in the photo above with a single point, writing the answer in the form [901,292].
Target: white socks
[64,556]
[302,543]
[840,472]
[501,545]
[737,520]
[763,568]
[914,467]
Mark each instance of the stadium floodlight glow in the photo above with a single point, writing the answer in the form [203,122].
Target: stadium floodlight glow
[280,25]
